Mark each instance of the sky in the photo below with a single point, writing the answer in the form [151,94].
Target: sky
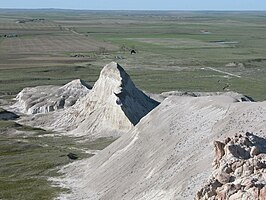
[138,4]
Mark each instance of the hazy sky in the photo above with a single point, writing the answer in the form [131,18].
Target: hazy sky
[138,4]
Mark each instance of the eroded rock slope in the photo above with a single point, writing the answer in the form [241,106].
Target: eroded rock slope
[168,154]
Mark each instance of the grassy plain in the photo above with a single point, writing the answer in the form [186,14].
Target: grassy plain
[31,155]
[187,51]
[174,49]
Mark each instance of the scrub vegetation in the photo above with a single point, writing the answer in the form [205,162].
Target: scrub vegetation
[29,156]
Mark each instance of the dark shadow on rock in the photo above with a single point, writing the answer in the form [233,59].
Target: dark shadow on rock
[257,141]
[6,115]
[131,98]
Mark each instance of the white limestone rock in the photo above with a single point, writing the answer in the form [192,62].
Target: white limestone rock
[44,99]
[112,107]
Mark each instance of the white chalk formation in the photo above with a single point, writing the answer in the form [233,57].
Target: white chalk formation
[44,99]
[112,107]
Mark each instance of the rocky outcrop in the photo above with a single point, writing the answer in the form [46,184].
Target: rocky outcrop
[43,99]
[115,91]
[112,107]
[238,97]
[239,169]
[114,104]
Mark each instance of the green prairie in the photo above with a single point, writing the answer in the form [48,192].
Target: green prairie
[174,49]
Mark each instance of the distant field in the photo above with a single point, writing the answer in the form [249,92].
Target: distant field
[172,48]
[43,44]
[183,42]
[14,80]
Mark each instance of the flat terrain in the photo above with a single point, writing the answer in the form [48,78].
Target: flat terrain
[175,50]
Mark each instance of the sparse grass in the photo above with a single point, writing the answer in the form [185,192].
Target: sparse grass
[12,81]
[158,81]
[98,144]
[29,159]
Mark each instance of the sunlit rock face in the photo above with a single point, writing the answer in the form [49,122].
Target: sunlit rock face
[112,107]
[239,169]
[44,99]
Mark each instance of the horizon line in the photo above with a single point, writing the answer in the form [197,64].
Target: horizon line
[199,10]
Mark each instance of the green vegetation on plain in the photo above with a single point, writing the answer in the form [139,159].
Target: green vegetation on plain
[30,157]
[171,48]
[12,81]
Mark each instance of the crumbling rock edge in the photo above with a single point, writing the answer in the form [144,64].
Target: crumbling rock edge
[239,169]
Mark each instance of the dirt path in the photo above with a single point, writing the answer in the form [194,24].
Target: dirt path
[223,72]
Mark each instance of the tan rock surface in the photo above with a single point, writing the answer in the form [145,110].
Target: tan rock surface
[246,180]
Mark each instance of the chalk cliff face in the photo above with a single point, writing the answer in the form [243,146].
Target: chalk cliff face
[239,169]
[44,99]
[115,88]
[113,106]
[114,103]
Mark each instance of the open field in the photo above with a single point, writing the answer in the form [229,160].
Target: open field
[187,51]
[12,81]
[47,44]
[30,40]
[177,43]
